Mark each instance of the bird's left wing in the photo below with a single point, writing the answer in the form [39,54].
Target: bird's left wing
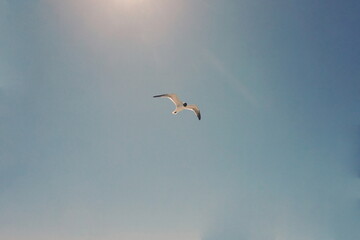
[195,109]
[173,97]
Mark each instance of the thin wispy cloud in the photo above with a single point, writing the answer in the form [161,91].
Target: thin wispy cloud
[229,77]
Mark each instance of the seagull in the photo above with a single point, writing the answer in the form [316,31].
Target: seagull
[180,105]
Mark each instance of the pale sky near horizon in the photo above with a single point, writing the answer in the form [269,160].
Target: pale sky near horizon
[86,153]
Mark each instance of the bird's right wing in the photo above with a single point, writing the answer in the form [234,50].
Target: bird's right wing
[173,97]
[195,109]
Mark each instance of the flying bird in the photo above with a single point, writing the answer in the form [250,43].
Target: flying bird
[180,105]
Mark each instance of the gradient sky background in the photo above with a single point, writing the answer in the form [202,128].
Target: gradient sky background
[87,153]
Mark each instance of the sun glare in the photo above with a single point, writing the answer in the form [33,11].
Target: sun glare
[129,3]
[146,22]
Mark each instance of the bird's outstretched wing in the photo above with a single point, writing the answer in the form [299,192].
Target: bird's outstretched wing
[173,97]
[195,109]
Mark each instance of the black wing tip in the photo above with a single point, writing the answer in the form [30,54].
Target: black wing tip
[199,116]
[161,95]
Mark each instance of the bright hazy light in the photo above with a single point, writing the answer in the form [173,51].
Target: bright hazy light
[130,3]
[133,21]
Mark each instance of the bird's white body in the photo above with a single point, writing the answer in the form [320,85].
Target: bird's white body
[178,109]
[180,106]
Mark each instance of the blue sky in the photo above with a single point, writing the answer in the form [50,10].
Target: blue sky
[87,153]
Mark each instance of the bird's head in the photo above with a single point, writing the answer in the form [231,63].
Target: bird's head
[184,104]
